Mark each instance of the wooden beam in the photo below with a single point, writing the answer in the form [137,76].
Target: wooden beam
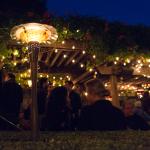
[114,90]
[55,59]
[68,45]
[79,58]
[40,56]
[48,56]
[61,61]
[81,77]
[70,59]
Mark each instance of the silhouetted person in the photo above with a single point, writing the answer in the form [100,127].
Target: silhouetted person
[57,111]
[134,121]
[146,102]
[42,95]
[74,104]
[138,110]
[100,114]
[12,97]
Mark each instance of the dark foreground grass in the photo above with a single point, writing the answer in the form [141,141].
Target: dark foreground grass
[128,140]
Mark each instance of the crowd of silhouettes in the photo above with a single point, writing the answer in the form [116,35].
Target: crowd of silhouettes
[66,108]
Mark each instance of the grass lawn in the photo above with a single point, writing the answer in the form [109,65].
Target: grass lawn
[127,140]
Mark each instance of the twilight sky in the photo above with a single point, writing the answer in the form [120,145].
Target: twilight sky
[127,11]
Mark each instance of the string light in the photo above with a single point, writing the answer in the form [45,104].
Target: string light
[29,83]
[65,56]
[106,84]
[63,42]
[56,50]
[90,69]
[81,65]
[14,63]
[54,77]
[83,52]
[16,53]
[128,60]
[94,56]
[78,31]
[73,47]
[3,57]
[85,93]
[117,58]
[124,64]
[73,61]
[115,62]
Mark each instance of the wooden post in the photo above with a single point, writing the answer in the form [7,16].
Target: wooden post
[34,50]
[114,91]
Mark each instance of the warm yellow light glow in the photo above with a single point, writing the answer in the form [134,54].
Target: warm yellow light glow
[73,47]
[29,83]
[83,52]
[65,56]
[16,53]
[117,58]
[90,69]
[34,32]
[73,61]
[81,65]
[94,56]
[56,50]
[63,42]
[85,93]
[128,60]
[14,63]
[115,62]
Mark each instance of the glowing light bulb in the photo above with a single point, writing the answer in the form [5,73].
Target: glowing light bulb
[85,93]
[124,64]
[81,65]
[128,60]
[106,85]
[29,83]
[54,77]
[139,61]
[115,62]
[95,73]
[94,56]
[63,42]
[14,63]
[73,61]
[90,69]
[16,53]
[73,47]
[117,58]
[61,78]
[56,50]
[65,56]
[83,52]
[3,57]
[78,31]
[29,70]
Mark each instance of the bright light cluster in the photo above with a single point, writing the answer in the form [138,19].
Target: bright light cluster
[34,32]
